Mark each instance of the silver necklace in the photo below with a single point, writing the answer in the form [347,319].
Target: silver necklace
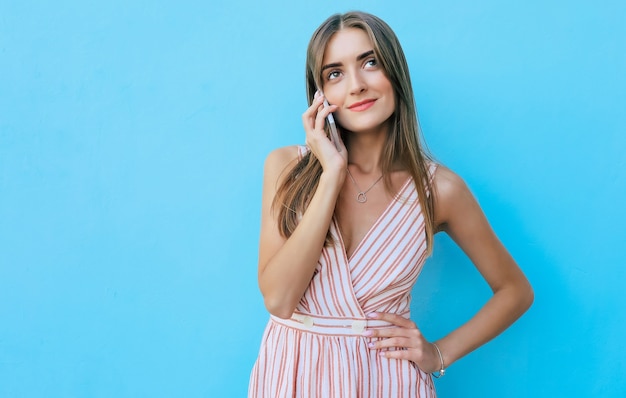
[361,197]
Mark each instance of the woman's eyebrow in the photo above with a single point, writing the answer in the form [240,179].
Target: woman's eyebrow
[365,55]
[358,58]
[333,65]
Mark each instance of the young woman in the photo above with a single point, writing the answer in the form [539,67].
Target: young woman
[346,227]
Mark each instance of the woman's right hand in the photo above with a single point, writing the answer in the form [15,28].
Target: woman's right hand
[314,120]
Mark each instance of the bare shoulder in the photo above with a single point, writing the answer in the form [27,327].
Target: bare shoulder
[452,195]
[279,162]
[448,184]
[282,158]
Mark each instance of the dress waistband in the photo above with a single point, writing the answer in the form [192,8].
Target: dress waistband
[329,325]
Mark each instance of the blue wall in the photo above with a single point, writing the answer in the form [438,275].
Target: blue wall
[132,138]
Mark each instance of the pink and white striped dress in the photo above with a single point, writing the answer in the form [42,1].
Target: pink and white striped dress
[320,352]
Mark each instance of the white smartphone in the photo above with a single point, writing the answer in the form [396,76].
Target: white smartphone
[334,135]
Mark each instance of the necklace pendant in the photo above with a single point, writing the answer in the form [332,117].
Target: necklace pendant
[361,197]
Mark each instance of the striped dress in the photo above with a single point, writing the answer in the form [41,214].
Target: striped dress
[320,352]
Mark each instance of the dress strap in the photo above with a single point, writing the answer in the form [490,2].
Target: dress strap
[302,151]
[432,167]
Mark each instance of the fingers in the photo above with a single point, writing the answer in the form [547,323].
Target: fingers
[331,157]
[395,337]
[405,334]
[416,350]
[409,348]
[404,341]
[394,319]
[402,354]
[412,333]
[309,116]
[423,356]
[314,117]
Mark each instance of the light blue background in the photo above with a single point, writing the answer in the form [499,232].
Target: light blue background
[132,138]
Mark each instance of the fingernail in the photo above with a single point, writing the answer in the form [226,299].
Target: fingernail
[371,345]
[372,315]
[368,333]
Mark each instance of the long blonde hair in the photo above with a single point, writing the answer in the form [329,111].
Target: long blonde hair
[402,146]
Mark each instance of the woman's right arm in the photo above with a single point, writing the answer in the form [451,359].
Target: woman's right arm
[286,265]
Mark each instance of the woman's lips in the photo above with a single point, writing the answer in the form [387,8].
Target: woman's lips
[362,105]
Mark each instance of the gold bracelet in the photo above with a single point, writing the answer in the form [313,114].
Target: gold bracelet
[442,370]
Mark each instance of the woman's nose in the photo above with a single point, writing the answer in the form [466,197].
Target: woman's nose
[357,83]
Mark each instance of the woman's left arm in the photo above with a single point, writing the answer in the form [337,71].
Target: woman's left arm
[459,215]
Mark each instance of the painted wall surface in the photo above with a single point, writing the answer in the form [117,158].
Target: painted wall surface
[132,141]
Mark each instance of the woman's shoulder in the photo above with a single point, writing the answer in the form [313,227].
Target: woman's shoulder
[280,159]
[445,179]
[447,183]
[452,194]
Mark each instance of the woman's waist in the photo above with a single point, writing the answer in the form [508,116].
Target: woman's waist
[332,325]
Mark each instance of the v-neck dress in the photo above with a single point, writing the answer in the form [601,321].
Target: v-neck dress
[320,351]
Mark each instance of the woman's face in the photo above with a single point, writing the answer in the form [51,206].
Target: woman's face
[353,79]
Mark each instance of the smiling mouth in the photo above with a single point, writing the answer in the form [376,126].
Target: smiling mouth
[361,106]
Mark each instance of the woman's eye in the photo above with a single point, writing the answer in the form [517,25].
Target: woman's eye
[371,62]
[333,75]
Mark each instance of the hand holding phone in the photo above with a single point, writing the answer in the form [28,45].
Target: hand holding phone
[334,135]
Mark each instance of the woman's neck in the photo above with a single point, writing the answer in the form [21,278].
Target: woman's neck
[365,149]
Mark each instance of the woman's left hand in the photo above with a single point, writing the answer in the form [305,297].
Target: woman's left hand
[408,341]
